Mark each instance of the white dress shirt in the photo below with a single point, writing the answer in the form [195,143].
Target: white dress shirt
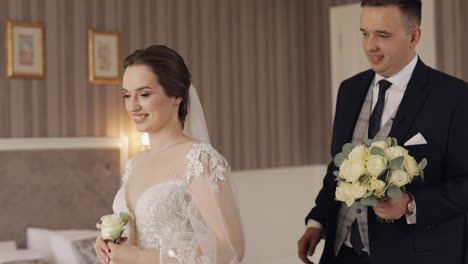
[395,93]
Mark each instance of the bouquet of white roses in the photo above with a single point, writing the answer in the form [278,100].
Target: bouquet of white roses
[112,227]
[374,170]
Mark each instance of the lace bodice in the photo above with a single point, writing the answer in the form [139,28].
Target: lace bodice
[159,211]
[166,211]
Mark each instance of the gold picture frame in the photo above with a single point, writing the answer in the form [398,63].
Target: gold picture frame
[103,56]
[25,50]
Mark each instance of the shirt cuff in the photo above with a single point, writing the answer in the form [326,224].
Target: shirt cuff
[313,223]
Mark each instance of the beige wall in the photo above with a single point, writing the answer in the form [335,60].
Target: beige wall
[273,218]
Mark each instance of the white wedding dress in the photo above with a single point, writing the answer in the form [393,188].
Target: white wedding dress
[192,219]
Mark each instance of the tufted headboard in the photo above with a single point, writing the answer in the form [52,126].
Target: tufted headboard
[57,183]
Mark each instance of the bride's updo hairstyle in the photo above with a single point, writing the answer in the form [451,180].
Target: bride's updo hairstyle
[170,70]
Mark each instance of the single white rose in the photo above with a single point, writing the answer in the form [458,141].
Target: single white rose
[111,226]
[351,170]
[344,169]
[341,194]
[380,193]
[395,152]
[349,192]
[399,178]
[357,190]
[376,185]
[411,166]
[376,164]
[358,153]
[380,144]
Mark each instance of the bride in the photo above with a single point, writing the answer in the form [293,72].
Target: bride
[177,193]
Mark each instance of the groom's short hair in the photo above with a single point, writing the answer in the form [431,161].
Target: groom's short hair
[411,9]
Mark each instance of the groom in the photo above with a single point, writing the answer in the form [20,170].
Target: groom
[427,111]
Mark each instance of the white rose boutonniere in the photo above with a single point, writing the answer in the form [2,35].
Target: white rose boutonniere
[112,227]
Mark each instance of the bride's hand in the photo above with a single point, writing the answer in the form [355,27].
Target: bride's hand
[102,251]
[125,253]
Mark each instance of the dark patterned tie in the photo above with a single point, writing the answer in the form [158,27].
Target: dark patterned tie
[374,127]
[376,116]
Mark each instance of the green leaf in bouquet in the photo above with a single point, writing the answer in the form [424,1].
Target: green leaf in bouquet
[377,151]
[394,192]
[368,142]
[383,175]
[339,158]
[421,174]
[389,141]
[396,163]
[337,174]
[369,201]
[422,164]
[364,179]
[347,148]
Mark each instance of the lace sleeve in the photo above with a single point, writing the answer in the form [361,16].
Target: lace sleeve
[213,212]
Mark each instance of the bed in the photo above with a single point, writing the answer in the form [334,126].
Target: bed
[54,190]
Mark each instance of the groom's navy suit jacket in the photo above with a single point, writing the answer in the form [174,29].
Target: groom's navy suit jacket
[435,105]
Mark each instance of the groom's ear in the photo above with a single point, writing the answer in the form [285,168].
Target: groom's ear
[415,36]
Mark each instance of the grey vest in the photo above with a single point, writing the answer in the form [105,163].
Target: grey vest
[346,215]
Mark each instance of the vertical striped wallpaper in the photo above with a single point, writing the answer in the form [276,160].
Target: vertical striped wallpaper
[260,68]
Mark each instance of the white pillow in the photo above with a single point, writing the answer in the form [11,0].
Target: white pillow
[56,244]
[38,239]
[7,246]
[22,256]
[63,248]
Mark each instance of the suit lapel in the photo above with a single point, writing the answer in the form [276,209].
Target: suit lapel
[413,99]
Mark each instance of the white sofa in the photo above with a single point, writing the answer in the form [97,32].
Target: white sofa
[273,204]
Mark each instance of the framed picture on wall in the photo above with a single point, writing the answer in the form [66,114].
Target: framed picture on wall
[25,50]
[103,56]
